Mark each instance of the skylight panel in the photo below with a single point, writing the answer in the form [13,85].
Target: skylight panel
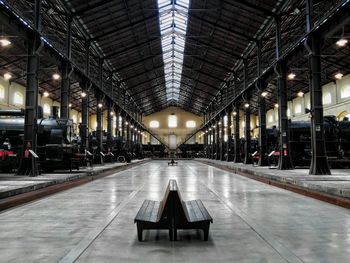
[173,17]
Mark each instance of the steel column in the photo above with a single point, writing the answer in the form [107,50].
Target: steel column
[65,86]
[247,135]
[229,135]
[319,161]
[285,160]
[237,145]
[84,126]
[28,164]
[109,125]
[217,151]
[263,158]
[222,144]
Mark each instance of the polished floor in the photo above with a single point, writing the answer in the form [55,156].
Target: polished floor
[253,222]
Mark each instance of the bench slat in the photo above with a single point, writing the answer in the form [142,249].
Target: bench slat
[140,214]
[204,211]
[149,210]
[199,215]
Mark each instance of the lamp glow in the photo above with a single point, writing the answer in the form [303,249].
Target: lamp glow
[4,42]
[338,75]
[342,42]
[291,76]
[56,76]
[7,76]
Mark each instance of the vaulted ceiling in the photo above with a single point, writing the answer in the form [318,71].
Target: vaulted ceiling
[162,53]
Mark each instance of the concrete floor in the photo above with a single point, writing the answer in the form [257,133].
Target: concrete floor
[253,222]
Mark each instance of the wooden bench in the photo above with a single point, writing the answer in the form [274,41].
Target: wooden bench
[155,215]
[190,215]
[172,162]
[173,213]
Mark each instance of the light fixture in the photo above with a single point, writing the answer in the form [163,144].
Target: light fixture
[135,129]
[276,105]
[46,94]
[112,113]
[264,94]
[338,75]
[246,105]
[83,94]
[219,123]
[342,42]
[56,76]
[7,76]
[132,126]
[126,123]
[234,113]
[300,94]
[70,105]
[100,105]
[4,42]
[291,76]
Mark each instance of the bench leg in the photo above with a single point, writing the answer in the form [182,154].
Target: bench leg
[139,232]
[206,232]
[175,234]
[171,236]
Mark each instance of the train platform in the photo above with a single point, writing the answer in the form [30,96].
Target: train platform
[11,184]
[337,184]
[253,221]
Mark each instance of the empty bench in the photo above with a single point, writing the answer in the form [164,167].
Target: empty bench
[172,162]
[173,213]
[155,215]
[190,215]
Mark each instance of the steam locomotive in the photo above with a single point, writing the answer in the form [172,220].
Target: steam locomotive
[54,141]
[337,137]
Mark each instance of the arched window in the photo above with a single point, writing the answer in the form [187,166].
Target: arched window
[190,124]
[18,98]
[46,109]
[172,121]
[297,108]
[74,118]
[154,124]
[345,92]
[327,98]
[2,92]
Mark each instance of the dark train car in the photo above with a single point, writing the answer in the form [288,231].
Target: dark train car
[192,150]
[54,141]
[153,150]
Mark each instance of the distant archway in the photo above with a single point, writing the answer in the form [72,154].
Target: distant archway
[342,115]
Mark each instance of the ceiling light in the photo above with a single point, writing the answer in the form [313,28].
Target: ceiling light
[264,94]
[70,105]
[111,113]
[291,76]
[276,105]
[300,94]
[246,105]
[4,42]
[46,94]
[7,76]
[83,94]
[234,113]
[100,105]
[342,42]
[126,123]
[56,76]
[338,75]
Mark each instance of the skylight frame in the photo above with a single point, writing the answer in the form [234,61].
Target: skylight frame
[173,19]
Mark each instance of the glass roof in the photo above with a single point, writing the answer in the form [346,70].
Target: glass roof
[173,16]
